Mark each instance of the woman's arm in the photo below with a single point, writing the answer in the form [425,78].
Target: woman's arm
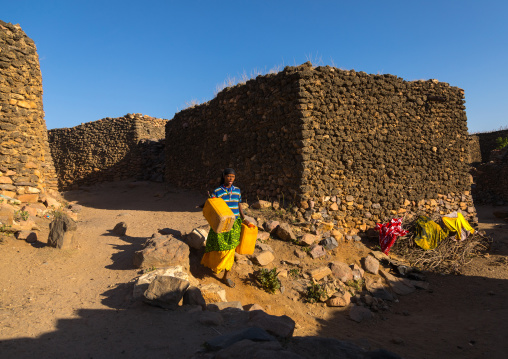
[242,216]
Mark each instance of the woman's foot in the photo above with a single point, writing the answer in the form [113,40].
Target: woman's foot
[228,282]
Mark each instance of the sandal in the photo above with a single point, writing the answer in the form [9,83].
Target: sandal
[229,283]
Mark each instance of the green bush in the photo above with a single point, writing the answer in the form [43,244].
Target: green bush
[314,293]
[501,142]
[268,280]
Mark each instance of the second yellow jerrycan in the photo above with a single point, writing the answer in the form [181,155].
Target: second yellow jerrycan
[248,238]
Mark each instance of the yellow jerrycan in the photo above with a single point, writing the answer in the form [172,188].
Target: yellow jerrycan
[248,238]
[218,215]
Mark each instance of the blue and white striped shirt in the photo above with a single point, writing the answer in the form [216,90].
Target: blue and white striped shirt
[231,196]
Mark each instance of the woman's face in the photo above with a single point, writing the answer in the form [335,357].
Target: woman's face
[229,179]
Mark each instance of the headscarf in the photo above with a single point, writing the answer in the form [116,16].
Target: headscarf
[227,171]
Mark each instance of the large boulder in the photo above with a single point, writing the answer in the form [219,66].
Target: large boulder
[162,251]
[144,281]
[61,232]
[165,291]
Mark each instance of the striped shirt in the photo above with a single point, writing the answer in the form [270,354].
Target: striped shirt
[231,196]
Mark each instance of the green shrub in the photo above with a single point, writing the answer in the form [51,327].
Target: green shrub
[268,280]
[357,285]
[314,293]
[501,142]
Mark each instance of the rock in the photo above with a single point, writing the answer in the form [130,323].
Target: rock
[263,247]
[371,264]
[308,239]
[357,272]
[377,288]
[197,238]
[359,314]
[120,229]
[263,236]
[143,281]
[75,207]
[29,198]
[341,271]
[264,258]
[51,202]
[320,273]
[217,306]
[28,236]
[253,333]
[162,251]
[213,293]
[6,217]
[329,243]
[338,235]
[282,326]
[193,296]
[211,318]
[61,232]
[380,256]
[251,307]
[284,232]
[317,251]
[339,299]
[261,204]
[270,226]
[420,284]
[400,286]
[166,291]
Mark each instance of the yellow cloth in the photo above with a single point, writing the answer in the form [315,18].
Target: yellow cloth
[428,233]
[219,260]
[457,223]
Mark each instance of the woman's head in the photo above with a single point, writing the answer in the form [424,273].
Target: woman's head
[228,177]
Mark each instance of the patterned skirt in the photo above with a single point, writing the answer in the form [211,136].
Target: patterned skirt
[220,248]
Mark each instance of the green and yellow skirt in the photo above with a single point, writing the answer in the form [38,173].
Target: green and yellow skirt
[220,248]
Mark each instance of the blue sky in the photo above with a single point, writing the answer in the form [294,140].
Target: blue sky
[109,58]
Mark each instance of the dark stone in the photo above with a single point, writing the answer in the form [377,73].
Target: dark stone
[120,229]
[282,326]
[329,243]
[193,296]
[166,291]
[61,232]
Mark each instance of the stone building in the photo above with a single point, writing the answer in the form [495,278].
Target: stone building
[26,166]
[338,145]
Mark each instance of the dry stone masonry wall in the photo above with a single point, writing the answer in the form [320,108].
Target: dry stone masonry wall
[104,150]
[339,145]
[26,166]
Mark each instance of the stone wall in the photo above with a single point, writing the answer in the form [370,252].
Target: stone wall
[487,142]
[26,166]
[339,145]
[104,150]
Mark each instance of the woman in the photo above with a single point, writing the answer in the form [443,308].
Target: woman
[220,247]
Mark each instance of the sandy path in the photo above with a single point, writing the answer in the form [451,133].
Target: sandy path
[76,303]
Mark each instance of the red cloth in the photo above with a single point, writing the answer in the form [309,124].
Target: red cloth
[388,233]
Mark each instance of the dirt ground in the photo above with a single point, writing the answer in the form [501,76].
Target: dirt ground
[77,303]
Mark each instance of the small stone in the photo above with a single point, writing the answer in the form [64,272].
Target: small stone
[251,307]
[339,299]
[317,251]
[280,326]
[371,264]
[218,306]
[270,226]
[341,271]
[264,258]
[329,243]
[357,272]
[263,236]
[284,232]
[213,293]
[308,239]
[320,273]
[359,314]
[261,204]
[166,291]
